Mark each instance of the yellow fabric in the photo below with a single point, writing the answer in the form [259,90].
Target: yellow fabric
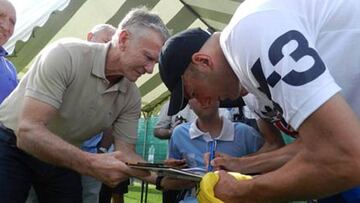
[208,182]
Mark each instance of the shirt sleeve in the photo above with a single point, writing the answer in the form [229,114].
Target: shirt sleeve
[164,120]
[251,137]
[279,64]
[256,141]
[52,72]
[126,125]
[174,151]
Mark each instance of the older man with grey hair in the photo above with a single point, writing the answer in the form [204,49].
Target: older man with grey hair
[101,33]
[74,90]
[8,78]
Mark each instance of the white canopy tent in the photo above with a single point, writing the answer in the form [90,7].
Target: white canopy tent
[31,14]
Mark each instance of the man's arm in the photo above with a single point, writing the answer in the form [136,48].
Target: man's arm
[162,133]
[328,161]
[34,138]
[128,154]
[272,136]
[162,128]
[165,133]
[169,183]
[128,151]
[266,159]
[258,163]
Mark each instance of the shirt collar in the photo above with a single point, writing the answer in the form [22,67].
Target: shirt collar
[121,86]
[98,68]
[226,134]
[3,52]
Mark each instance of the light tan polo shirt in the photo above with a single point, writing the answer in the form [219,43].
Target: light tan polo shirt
[70,76]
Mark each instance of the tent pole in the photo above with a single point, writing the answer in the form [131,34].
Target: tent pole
[146,116]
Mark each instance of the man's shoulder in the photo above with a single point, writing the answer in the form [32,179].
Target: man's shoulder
[242,129]
[183,126]
[68,41]
[8,63]
[181,129]
[76,44]
[3,52]
[74,51]
[181,133]
[61,47]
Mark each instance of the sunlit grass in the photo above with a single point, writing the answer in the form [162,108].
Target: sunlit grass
[134,194]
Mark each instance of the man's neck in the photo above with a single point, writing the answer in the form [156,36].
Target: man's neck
[112,67]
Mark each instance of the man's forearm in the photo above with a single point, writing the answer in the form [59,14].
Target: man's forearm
[162,133]
[268,161]
[272,136]
[304,177]
[327,163]
[129,155]
[46,146]
[260,162]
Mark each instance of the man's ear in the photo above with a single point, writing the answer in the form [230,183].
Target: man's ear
[123,38]
[89,36]
[202,59]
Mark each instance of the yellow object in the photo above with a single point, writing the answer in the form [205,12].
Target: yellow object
[208,182]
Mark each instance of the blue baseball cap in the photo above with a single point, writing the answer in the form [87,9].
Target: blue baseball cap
[175,57]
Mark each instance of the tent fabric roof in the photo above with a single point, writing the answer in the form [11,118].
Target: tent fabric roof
[30,16]
[80,16]
[214,13]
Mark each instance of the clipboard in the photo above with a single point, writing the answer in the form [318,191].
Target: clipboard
[162,170]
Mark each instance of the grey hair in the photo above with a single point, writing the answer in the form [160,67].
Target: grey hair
[141,16]
[103,27]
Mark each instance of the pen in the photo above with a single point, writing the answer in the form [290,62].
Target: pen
[212,154]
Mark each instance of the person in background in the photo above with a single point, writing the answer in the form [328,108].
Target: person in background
[101,33]
[165,124]
[8,77]
[163,130]
[102,143]
[190,141]
[280,52]
[74,90]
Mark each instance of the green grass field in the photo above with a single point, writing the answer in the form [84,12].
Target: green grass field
[134,194]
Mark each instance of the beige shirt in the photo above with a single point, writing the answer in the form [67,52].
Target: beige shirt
[70,76]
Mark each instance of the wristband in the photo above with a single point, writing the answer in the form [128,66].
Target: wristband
[158,182]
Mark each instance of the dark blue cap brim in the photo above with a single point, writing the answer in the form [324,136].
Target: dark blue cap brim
[177,99]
